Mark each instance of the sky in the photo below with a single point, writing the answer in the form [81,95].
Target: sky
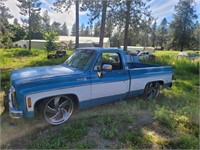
[160,9]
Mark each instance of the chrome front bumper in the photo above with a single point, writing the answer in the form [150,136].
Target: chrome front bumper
[13,112]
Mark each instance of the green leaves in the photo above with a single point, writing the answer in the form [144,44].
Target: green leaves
[183,23]
[50,37]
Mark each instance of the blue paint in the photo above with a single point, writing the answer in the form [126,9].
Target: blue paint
[99,101]
[135,93]
[34,74]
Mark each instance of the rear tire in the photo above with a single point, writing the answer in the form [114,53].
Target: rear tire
[152,90]
[57,110]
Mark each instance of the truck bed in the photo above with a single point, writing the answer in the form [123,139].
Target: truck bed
[141,74]
[141,70]
[144,70]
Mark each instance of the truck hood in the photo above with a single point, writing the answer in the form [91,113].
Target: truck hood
[32,74]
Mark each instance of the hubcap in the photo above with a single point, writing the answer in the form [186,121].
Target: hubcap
[58,110]
[152,90]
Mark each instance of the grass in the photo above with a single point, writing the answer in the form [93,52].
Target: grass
[61,138]
[171,121]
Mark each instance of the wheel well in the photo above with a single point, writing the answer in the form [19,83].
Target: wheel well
[74,99]
[160,83]
[72,96]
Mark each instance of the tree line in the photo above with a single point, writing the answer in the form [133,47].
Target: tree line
[125,22]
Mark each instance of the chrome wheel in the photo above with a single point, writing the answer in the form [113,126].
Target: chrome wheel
[58,109]
[152,90]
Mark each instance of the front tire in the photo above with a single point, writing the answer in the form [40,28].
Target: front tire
[152,90]
[57,110]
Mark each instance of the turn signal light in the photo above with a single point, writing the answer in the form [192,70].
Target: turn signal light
[29,102]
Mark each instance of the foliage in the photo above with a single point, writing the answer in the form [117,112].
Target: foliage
[50,37]
[31,12]
[185,141]
[5,32]
[73,32]
[109,27]
[19,32]
[131,13]
[64,30]
[163,33]
[97,28]
[154,35]
[56,26]
[183,23]
[59,4]
[195,42]
[46,21]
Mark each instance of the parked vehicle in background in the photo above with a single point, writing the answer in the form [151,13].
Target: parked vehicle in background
[145,55]
[135,52]
[58,54]
[89,77]
[189,55]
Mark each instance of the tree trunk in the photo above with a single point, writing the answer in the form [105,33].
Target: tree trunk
[128,5]
[103,22]
[29,26]
[77,24]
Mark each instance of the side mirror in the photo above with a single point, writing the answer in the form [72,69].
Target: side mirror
[107,67]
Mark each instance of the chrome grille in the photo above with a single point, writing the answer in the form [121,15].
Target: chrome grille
[13,97]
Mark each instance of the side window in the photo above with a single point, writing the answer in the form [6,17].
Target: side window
[113,59]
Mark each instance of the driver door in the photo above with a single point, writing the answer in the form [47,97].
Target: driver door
[109,84]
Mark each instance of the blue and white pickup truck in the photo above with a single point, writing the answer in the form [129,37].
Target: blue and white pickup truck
[89,77]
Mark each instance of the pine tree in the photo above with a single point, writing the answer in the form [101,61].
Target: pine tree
[56,27]
[5,32]
[66,4]
[183,23]
[87,31]
[31,10]
[46,21]
[196,37]
[73,32]
[64,30]
[130,13]
[15,22]
[154,35]
[82,30]
[97,29]
[109,27]
[163,33]
[98,10]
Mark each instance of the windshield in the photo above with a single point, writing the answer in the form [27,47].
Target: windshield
[81,59]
